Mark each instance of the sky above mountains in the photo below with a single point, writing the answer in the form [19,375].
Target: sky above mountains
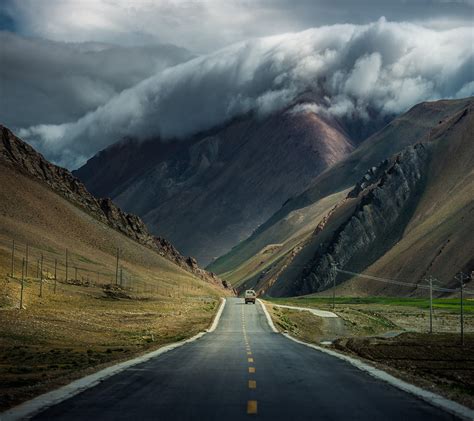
[203,26]
[77,76]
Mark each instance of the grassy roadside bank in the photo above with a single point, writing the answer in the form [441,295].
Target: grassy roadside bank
[393,336]
[81,329]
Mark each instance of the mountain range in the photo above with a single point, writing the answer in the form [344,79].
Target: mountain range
[208,192]
[275,203]
[400,206]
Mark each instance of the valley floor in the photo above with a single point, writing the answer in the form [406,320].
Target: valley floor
[392,334]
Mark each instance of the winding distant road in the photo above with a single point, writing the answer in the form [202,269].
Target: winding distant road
[242,371]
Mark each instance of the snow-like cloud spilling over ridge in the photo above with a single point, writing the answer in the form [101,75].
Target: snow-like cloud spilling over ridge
[382,66]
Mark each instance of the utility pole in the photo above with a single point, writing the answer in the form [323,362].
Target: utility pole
[334,287]
[22,282]
[13,257]
[462,312]
[431,304]
[41,276]
[26,261]
[67,263]
[121,276]
[37,268]
[75,273]
[461,277]
[98,276]
[117,267]
[55,274]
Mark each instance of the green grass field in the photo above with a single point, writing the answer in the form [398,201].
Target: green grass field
[447,304]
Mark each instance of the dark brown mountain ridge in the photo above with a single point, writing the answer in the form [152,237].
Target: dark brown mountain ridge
[22,157]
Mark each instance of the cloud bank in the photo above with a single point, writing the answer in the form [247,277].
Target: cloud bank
[350,69]
[180,22]
[55,82]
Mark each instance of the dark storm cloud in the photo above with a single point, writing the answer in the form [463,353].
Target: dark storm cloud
[204,25]
[45,82]
[351,69]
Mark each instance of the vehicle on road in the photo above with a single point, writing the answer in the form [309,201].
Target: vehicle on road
[250,296]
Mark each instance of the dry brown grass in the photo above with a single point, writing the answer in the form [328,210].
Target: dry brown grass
[435,362]
[65,335]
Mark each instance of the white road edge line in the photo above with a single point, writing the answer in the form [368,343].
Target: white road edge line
[36,405]
[267,315]
[218,316]
[430,397]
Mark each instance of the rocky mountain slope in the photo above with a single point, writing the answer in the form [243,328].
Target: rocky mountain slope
[380,209]
[212,191]
[382,224]
[20,157]
[301,214]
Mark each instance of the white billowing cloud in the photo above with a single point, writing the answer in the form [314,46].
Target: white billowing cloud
[363,78]
[351,70]
[46,82]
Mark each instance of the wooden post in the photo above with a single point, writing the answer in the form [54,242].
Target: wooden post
[55,274]
[117,267]
[334,287]
[67,264]
[461,277]
[41,277]
[75,273]
[462,312]
[26,261]
[431,304]
[13,258]
[22,282]
[121,276]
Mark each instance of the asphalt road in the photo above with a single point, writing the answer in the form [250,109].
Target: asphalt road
[241,371]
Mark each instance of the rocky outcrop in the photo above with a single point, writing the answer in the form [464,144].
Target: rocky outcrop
[369,178]
[387,196]
[22,157]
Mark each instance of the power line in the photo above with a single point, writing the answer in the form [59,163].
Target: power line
[407,284]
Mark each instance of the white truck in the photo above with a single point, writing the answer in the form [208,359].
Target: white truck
[250,296]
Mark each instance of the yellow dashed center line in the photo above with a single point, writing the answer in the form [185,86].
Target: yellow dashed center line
[252,384]
[251,407]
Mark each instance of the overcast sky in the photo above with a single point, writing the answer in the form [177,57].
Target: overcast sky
[72,71]
[205,25]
